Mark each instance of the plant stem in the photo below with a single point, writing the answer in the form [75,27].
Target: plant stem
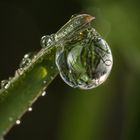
[26,87]
[30,82]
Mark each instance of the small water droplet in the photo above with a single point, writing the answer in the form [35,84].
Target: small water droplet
[19,71]
[18,122]
[86,61]
[47,40]
[30,109]
[43,93]
[27,59]
[4,83]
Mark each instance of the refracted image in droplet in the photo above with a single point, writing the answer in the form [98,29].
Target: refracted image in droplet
[86,61]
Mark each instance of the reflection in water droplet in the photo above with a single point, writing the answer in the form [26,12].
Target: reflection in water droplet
[18,122]
[43,93]
[30,109]
[85,63]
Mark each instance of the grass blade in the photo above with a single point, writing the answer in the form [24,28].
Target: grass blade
[25,87]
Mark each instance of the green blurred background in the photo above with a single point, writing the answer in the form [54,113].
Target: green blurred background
[109,112]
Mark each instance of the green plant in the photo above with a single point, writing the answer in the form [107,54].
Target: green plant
[83,58]
[30,80]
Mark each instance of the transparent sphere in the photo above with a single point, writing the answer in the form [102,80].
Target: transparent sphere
[86,61]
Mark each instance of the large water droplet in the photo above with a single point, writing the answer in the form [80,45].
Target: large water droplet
[86,61]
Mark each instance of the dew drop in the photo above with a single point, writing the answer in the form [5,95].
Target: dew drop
[18,122]
[43,93]
[27,59]
[30,109]
[5,84]
[85,63]
[19,71]
[47,40]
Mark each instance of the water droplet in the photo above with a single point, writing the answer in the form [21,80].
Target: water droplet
[5,84]
[86,61]
[18,122]
[26,60]
[30,109]
[43,93]
[19,71]
[47,40]
[44,82]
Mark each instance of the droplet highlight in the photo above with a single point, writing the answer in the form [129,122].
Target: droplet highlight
[43,93]
[30,109]
[18,122]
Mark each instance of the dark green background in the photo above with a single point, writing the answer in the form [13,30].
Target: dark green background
[109,112]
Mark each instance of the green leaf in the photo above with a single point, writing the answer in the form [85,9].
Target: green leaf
[25,87]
